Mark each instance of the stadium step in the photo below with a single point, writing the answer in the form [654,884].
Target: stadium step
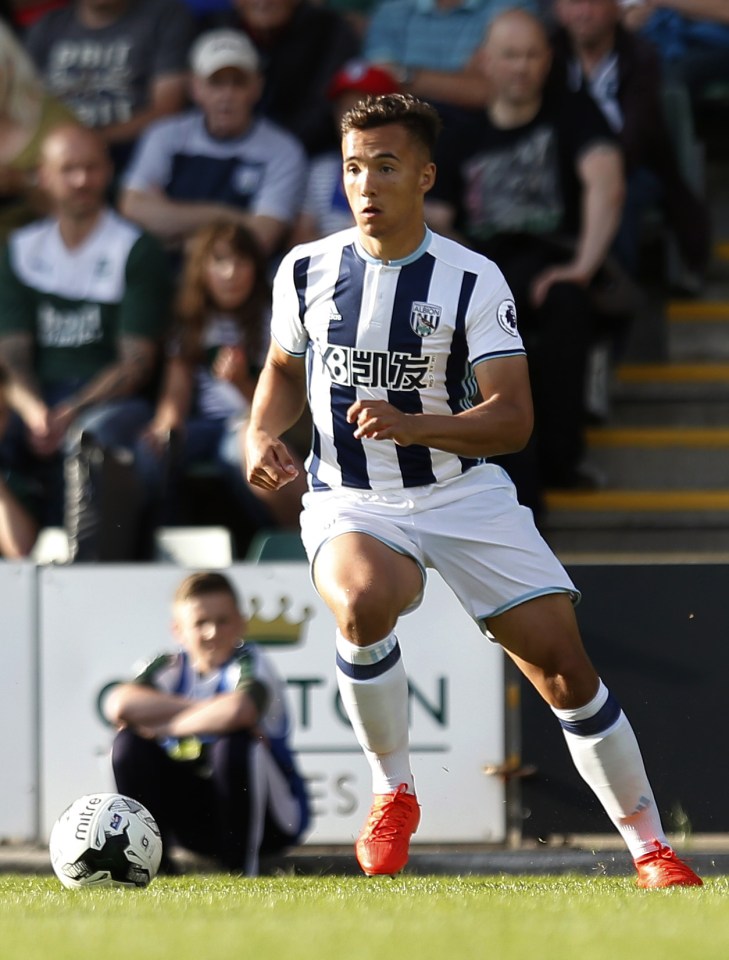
[664,451]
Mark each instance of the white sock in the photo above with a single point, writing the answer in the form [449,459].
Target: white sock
[607,756]
[374,691]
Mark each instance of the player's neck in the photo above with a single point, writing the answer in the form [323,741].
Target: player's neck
[392,248]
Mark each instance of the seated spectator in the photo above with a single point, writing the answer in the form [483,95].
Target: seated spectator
[118,64]
[535,183]
[83,301]
[219,161]
[27,114]
[219,345]
[325,209]
[692,36]
[203,737]
[621,72]
[431,46]
[301,46]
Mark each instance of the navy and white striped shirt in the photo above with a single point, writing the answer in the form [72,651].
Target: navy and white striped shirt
[409,332]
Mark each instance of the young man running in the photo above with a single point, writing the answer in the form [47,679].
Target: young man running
[407,347]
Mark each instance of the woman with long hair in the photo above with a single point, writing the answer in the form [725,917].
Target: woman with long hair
[218,345]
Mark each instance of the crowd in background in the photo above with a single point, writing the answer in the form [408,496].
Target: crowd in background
[157,158]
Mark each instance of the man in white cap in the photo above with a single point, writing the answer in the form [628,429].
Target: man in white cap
[219,161]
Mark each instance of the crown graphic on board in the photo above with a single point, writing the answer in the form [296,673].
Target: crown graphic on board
[279,629]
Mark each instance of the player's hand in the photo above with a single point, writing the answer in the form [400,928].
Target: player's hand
[269,464]
[379,420]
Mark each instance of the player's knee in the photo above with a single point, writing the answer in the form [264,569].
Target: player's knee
[366,616]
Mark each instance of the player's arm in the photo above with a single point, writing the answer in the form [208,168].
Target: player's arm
[600,171]
[217,715]
[501,423]
[278,403]
[138,705]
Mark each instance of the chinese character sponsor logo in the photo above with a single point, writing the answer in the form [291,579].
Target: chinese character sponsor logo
[352,367]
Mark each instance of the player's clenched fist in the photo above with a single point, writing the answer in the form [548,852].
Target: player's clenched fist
[379,420]
[269,464]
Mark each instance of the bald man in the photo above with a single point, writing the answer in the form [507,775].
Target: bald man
[83,302]
[535,183]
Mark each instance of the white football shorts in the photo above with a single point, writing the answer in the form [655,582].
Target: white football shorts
[471,529]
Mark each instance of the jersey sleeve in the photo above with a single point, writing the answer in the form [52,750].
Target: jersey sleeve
[286,327]
[491,324]
[151,164]
[145,307]
[284,182]
[17,303]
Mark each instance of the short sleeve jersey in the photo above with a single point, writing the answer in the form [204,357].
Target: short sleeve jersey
[262,172]
[104,74]
[409,332]
[76,303]
[523,179]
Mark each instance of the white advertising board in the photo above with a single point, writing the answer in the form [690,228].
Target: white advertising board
[18,702]
[97,623]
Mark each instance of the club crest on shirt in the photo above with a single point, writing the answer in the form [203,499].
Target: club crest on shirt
[424,318]
[506,315]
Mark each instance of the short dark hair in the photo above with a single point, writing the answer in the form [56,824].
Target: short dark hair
[202,584]
[419,118]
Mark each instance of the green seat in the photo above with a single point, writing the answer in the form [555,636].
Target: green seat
[275,546]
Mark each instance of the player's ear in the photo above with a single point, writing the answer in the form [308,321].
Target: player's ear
[427,177]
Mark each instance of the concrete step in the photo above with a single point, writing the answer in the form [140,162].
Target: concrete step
[683,394]
[661,458]
[698,330]
[639,521]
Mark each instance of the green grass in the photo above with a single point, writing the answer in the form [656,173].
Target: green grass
[405,918]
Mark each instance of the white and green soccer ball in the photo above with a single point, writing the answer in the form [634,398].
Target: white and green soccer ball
[105,839]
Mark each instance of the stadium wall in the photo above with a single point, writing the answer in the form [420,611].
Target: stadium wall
[70,630]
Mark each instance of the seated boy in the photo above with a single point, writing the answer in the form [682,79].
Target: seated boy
[202,736]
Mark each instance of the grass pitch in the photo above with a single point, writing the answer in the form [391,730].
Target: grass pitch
[203,917]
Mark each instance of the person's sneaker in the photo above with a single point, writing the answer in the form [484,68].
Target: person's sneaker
[662,868]
[382,847]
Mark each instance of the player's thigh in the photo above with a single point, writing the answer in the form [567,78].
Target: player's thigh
[366,584]
[542,637]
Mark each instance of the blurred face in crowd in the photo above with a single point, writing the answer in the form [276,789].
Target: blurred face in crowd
[263,15]
[75,172]
[229,276]
[103,8]
[227,98]
[588,22]
[516,58]
[209,628]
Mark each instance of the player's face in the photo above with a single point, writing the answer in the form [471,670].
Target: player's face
[229,277]
[75,172]
[516,59]
[588,21]
[386,176]
[209,628]
[227,99]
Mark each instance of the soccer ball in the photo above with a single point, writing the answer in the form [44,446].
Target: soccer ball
[105,839]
